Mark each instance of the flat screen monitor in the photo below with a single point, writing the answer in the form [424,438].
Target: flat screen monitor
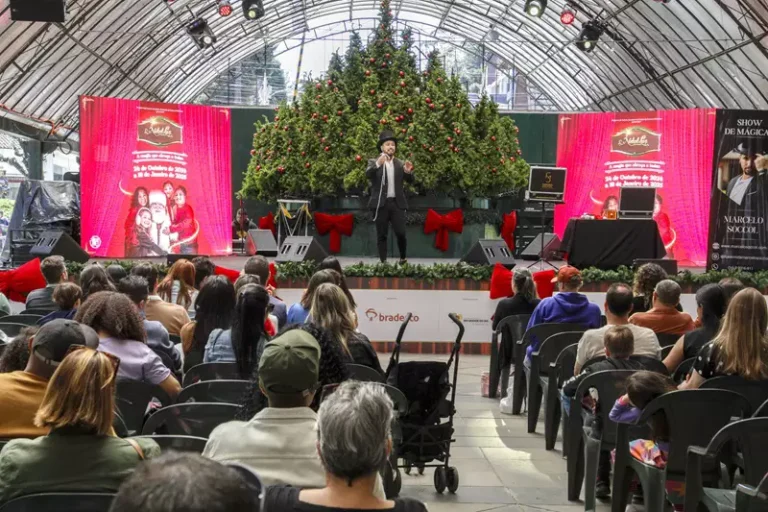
[637,202]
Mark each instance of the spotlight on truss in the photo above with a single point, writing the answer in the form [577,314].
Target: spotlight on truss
[225,8]
[568,15]
[253,9]
[201,33]
[535,8]
[589,35]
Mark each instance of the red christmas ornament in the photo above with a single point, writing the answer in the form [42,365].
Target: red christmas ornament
[379,105]
[286,128]
[277,118]
[410,111]
[372,60]
[258,167]
[314,115]
[339,112]
[458,132]
[383,64]
[307,165]
[424,146]
[402,84]
[458,105]
[358,157]
[512,158]
[493,170]
[318,86]
[442,105]
[519,152]
[329,82]
[281,169]
[327,148]
[289,149]
[253,152]
[373,91]
[303,153]
[449,138]
[432,106]
[325,118]
[410,139]
[403,130]
[367,72]
[402,74]
[397,93]
[428,100]
[383,121]
[322,140]
[388,55]
[431,148]
[439,80]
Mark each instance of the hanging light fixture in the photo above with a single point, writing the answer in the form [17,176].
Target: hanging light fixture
[253,9]
[225,8]
[589,35]
[201,33]
[535,8]
[568,15]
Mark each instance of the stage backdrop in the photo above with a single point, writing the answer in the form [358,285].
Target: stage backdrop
[155,178]
[670,150]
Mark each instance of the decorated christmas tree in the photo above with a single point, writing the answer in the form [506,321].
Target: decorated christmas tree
[319,146]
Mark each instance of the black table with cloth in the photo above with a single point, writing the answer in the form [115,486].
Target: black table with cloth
[607,244]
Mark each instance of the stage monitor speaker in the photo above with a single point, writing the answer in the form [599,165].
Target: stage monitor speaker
[301,248]
[49,11]
[58,243]
[669,266]
[490,252]
[261,241]
[551,247]
[173,258]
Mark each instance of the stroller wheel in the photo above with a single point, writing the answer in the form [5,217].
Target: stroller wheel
[441,480]
[408,467]
[421,469]
[452,479]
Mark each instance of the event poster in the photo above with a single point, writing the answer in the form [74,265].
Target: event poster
[669,150]
[738,237]
[155,178]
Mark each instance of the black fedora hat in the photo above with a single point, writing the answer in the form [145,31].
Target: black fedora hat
[385,136]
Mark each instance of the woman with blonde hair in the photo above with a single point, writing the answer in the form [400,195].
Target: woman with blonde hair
[741,346]
[81,453]
[178,287]
[332,311]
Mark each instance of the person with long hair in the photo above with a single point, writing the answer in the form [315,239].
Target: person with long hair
[646,279]
[331,310]
[244,342]
[299,312]
[178,287]
[81,453]
[524,300]
[68,297]
[139,201]
[214,309]
[139,242]
[711,303]
[332,263]
[121,333]
[740,347]
[93,279]
[183,222]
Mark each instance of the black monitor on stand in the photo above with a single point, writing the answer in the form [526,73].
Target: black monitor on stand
[545,185]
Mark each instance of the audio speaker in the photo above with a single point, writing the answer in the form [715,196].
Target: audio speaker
[261,241]
[301,248]
[551,247]
[173,258]
[669,266]
[38,10]
[490,252]
[58,243]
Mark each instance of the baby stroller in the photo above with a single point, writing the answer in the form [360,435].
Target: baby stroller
[424,439]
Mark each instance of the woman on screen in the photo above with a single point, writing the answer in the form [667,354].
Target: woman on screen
[168,191]
[140,200]
[611,204]
[666,232]
[142,245]
[183,223]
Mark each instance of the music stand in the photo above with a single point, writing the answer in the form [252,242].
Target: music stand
[545,185]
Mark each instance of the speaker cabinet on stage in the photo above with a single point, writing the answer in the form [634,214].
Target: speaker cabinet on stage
[58,243]
[669,266]
[551,248]
[301,248]
[261,241]
[38,10]
[490,252]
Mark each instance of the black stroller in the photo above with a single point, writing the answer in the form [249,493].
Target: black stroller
[424,440]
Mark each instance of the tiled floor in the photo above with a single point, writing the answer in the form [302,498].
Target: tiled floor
[501,466]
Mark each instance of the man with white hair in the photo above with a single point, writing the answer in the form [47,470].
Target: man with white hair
[161,222]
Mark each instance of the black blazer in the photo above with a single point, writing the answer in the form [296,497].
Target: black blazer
[375,175]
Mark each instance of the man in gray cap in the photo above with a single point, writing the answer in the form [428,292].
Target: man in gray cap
[22,392]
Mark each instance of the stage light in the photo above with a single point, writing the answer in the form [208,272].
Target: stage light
[568,15]
[253,9]
[535,8]
[201,33]
[589,35]
[225,8]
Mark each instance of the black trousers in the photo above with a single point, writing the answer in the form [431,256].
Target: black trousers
[389,212]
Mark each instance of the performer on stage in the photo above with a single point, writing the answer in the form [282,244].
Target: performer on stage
[387,174]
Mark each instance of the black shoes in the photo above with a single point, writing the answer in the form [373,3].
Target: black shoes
[602,490]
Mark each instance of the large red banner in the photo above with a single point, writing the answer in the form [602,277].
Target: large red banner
[155,178]
[670,150]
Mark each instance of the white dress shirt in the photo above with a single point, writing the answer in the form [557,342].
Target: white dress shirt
[739,189]
[389,168]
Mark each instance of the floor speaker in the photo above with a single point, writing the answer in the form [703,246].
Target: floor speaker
[49,11]
[58,243]
[551,247]
[490,252]
[669,266]
[261,241]
[301,248]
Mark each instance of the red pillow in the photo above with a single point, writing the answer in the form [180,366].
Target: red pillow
[232,275]
[501,282]
[17,283]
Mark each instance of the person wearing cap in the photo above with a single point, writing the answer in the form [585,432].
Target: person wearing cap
[744,188]
[21,392]
[388,200]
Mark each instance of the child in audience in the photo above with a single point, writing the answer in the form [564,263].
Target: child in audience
[67,296]
[16,353]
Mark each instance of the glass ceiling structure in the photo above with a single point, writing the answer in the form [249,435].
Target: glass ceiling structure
[652,55]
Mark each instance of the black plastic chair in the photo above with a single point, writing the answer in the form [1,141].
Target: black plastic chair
[60,502]
[364,373]
[762,411]
[752,499]
[192,419]
[693,417]
[175,338]
[538,380]
[756,392]
[178,443]
[132,400]
[510,330]
[540,332]
[39,312]
[22,319]
[559,372]
[681,372]
[11,329]
[651,364]
[211,371]
[215,391]
[668,340]
[3,345]
[750,437]
[665,351]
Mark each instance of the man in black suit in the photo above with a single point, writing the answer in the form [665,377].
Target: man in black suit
[54,271]
[387,174]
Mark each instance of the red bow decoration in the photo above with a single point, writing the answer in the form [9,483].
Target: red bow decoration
[501,282]
[232,275]
[268,222]
[269,328]
[17,283]
[508,225]
[451,221]
[337,225]
[272,275]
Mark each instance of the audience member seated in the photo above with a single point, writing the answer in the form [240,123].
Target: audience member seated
[116,273]
[259,266]
[332,311]
[80,454]
[244,342]
[741,346]
[172,316]
[279,442]
[204,267]
[54,271]
[245,279]
[135,288]
[67,297]
[524,300]
[567,307]
[646,279]
[94,279]
[299,312]
[711,303]
[354,441]
[185,482]
[178,287]
[332,263]
[121,333]
[618,307]
[16,354]
[214,309]
[21,392]
[663,317]
[731,286]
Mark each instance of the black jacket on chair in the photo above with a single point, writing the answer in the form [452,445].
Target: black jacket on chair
[375,174]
